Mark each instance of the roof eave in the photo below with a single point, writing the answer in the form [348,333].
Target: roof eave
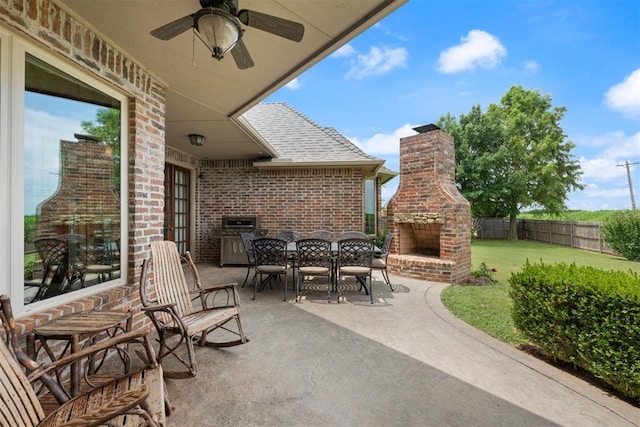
[369,167]
[252,133]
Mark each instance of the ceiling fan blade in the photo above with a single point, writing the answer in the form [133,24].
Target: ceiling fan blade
[172,29]
[241,55]
[272,24]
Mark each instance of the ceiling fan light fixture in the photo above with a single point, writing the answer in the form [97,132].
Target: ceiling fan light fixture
[197,139]
[218,30]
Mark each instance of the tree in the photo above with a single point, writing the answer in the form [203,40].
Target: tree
[108,130]
[477,143]
[515,155]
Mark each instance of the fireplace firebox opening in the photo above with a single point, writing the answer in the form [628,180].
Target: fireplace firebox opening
[421,238]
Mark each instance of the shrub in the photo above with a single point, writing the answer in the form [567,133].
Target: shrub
[582,315]
[483,271]
[622,232]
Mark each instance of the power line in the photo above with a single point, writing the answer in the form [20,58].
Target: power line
[628,166]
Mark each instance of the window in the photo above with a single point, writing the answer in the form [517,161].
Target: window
[72,204]
[370,206]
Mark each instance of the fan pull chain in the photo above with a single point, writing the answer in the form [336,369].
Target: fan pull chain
[193,48]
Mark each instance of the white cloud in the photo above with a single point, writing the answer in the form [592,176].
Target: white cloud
[613,149]
[616,145]
[625,97]
[594,198]
[384,143]
[531,67]
[345,51]
[600,169]
[603,173]
[42,153]
[477,49]
[294,84]
[379,60]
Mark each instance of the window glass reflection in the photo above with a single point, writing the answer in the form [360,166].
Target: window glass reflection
[72,184]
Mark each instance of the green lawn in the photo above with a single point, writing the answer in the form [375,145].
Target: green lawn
[488,307]
[593,216]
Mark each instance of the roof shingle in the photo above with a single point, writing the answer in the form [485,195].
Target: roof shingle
[301,140]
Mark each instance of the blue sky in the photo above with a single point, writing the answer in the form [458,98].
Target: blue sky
[433,57]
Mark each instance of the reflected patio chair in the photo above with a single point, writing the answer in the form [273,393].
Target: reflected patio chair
[271,260]
[62,264]
[102,260]
[247,243]
[380,260]
[353,235]
[121,398]
[314,259]
[174,313]
[52,253]
[354,259]
[321,234]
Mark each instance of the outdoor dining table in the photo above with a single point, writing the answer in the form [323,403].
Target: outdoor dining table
[335,247]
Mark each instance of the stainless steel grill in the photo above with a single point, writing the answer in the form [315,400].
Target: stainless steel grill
[232,251]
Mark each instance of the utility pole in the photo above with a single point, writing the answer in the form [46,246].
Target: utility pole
[628,166]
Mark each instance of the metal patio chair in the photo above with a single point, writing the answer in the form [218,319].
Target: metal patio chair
[272,260]
[353,235]
[321,234]
[289,235]
[247,243]
[354,259]
[174,313]
[314,259]
[380,260]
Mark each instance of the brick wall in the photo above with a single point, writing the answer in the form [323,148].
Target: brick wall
[50,26]
[300,199]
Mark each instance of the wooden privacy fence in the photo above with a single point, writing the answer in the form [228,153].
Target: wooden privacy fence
[576,234]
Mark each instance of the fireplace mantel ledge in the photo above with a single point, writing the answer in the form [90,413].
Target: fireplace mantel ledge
[420,218]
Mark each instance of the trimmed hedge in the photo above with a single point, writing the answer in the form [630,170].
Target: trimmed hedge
[582,315]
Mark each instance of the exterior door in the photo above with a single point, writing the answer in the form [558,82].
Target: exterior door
[177,206]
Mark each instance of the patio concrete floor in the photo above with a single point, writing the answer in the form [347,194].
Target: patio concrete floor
[403,361]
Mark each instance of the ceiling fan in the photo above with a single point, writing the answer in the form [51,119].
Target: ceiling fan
[217,24]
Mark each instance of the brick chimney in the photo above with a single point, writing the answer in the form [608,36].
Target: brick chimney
[431,220]
[84,202]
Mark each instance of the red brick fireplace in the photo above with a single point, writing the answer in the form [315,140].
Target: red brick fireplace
[431,220]
[84,202]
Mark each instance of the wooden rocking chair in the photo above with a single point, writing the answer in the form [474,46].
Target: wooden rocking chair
[177,320]
[120,401]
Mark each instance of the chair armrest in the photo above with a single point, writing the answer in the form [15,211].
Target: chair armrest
[159,307]
[220,287]
[209,296]
[165,316]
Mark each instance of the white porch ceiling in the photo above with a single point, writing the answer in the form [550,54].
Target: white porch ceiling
[207,96]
